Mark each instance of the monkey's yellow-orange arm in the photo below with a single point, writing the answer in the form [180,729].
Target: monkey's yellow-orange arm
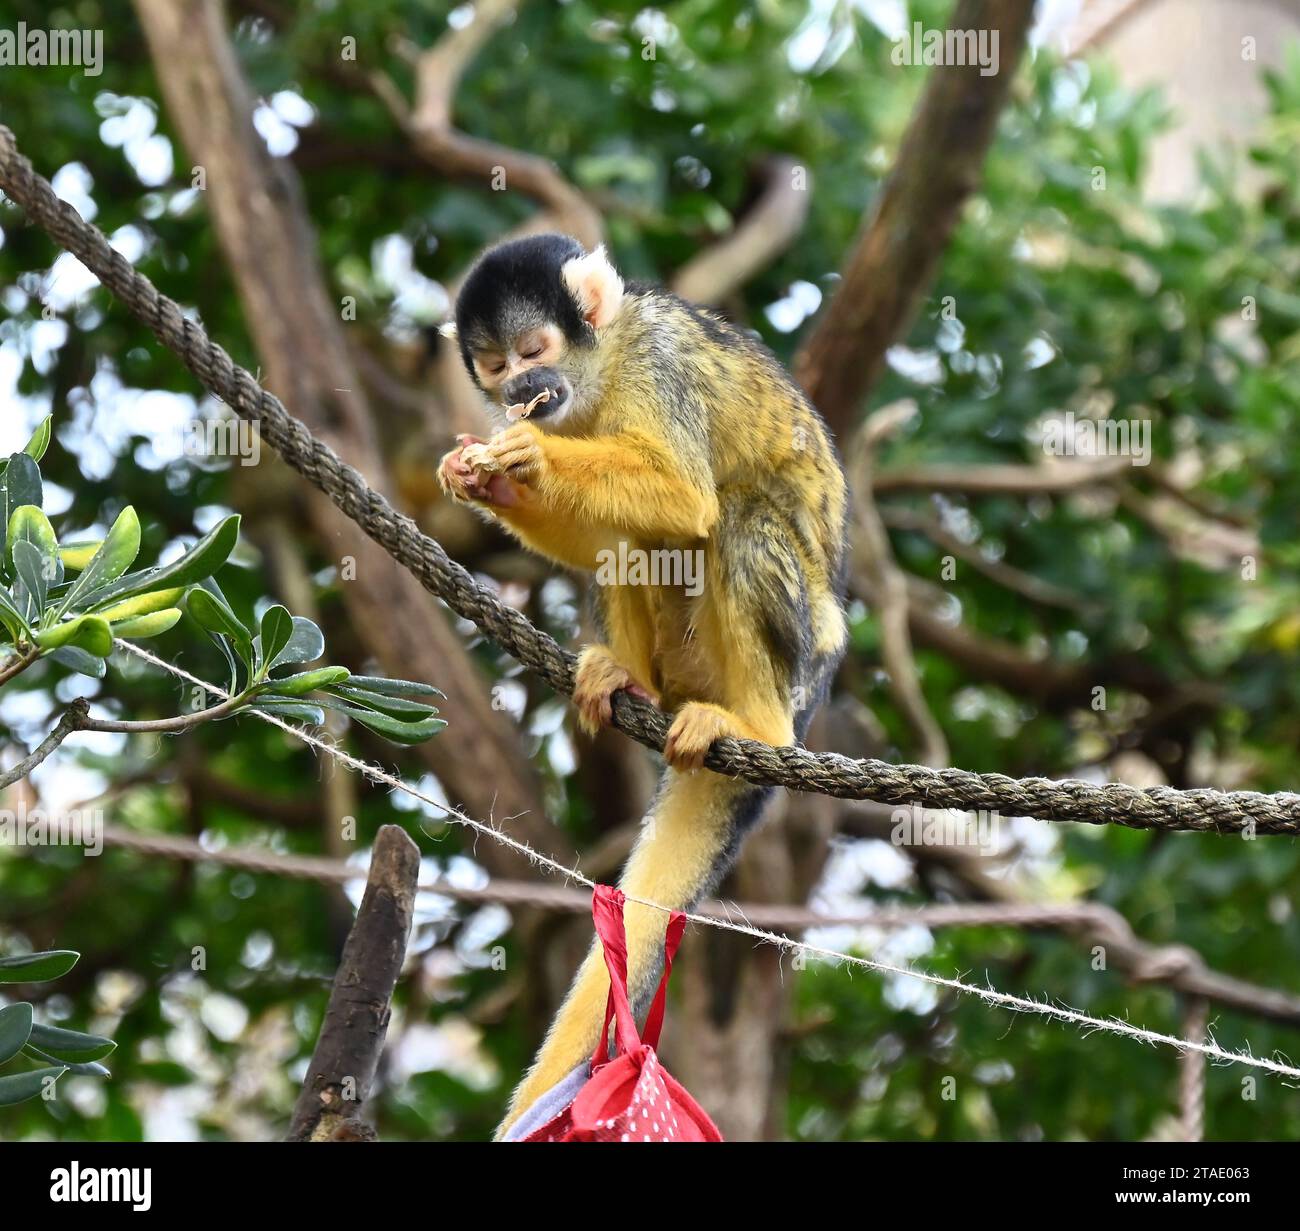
[626,483]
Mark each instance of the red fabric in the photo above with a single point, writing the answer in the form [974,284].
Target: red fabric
[630,1097]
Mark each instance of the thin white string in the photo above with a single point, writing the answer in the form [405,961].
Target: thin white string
[990,995]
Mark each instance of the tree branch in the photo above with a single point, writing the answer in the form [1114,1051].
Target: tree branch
[898,253]
[874,560]
[439,69]
[973,879]
[352,1038]
[17,665]
[1089,924]
[428,123]
[166,726]
[759,238]
[1006,575]
[1188,535]
[1007,480]
[74,719]
[1006,664]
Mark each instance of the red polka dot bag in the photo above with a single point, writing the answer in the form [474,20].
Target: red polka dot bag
[631,1096]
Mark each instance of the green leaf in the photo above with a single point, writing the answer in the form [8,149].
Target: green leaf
[210,585]
[76,556]
[29,524]
[305,681]
[196,565]
[152,625]
[224,646]
[142,604]
[37,967]
[395,707]
[299,711]
[306,644]
[85,632]
[396,688]
[277,629]
[214,614]
[11,617]
[22,1086]
[79,661]
[116,555]
[40,441]
[407,733]
[32,586]
[15,1027]
[70,1044]
[393,729]
[19,484]
[88,1067]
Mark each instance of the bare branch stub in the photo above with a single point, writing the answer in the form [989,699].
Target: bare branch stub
[356,1021]
[74,719]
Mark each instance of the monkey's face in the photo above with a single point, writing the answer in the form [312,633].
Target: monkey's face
[524,369]
[530,320]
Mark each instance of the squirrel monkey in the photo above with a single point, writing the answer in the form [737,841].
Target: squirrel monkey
[635,420]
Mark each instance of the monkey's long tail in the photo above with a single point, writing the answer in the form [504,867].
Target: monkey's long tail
[688,842]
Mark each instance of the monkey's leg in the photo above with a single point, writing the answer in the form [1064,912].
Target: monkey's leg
[753,688]
[626,621]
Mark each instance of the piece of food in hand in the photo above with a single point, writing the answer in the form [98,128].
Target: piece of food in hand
[479,457]
[520,411]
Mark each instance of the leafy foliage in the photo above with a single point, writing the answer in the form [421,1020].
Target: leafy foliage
[76,620]
[56,1050]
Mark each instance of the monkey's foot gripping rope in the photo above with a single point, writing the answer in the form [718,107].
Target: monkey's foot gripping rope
[797,768]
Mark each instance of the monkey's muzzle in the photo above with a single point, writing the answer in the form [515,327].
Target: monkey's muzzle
[528,386]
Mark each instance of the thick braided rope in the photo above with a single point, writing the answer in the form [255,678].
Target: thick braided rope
[824,773]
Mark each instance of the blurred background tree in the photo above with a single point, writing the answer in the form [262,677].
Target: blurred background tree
[1171,587]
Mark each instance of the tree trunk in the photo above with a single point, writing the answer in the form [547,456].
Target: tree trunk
[256,206]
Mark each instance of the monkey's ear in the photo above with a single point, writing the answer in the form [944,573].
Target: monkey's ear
[596,286]
[448,329]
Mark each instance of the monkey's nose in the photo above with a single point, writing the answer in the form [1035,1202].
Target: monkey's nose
[527,386]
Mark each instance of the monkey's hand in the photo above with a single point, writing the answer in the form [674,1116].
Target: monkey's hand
[461,479]
[515,451]
[599,676]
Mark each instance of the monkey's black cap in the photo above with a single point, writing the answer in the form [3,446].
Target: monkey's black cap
[516,286]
